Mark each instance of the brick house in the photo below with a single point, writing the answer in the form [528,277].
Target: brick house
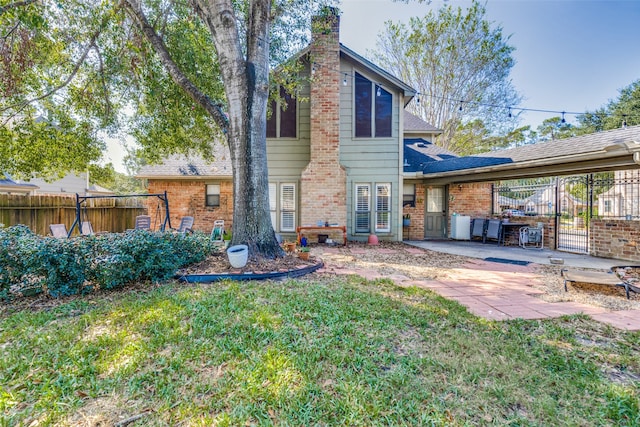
[335,158]
[346,152]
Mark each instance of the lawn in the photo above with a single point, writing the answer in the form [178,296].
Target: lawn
[318,351]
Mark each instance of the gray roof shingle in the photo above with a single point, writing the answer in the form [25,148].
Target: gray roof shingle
[180,166]
[413,123]
[555,149]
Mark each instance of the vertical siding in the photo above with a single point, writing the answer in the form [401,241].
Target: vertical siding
[286,158]
[370,160]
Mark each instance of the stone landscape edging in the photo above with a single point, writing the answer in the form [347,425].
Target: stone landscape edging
[210,278]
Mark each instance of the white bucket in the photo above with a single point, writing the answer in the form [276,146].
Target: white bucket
[238,255]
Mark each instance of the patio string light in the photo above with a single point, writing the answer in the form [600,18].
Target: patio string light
[511,110]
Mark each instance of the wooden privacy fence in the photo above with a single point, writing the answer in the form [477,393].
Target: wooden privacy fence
[38,212]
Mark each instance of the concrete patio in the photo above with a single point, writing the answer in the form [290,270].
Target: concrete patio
[499,291]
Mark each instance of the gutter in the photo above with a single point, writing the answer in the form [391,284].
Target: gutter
[184,177]
[611,151]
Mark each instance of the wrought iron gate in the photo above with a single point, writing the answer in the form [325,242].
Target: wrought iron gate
[573,201]
[574,204]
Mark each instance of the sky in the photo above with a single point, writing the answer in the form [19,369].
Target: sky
[571,55]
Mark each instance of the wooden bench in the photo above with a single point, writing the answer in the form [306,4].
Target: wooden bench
[320,228]
[598,278]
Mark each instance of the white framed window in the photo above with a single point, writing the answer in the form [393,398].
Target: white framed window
[212,198]
[287,207]
[282,206]
[383,208]
[363,208]
[273,203]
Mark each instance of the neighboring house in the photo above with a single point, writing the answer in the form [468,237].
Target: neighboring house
[543,202]
[9,186]
[622,200]
[68,185]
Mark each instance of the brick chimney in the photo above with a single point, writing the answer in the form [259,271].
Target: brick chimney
[323,181]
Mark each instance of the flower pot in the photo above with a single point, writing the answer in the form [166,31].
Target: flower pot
[303,256]
[373,239]
[290,246]
[238,255]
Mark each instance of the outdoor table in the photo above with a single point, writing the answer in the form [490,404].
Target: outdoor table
[320,228]
[507,228]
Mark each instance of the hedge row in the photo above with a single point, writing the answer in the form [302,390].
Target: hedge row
[30,264]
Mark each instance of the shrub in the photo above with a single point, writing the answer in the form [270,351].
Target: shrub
[32,264]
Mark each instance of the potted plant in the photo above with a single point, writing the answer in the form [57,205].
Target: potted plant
[289,246]
[406,220]
[226,237]
[303,253]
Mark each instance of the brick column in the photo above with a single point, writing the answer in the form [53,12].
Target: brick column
[323,181]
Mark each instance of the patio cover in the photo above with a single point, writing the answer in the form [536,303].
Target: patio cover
[616,149]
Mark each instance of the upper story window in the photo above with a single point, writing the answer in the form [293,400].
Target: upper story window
[373,108]
[284,117]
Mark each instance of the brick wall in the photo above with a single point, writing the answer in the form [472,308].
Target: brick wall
[187,198]
[416,230]
[615,239]
[473,200]
[323,181]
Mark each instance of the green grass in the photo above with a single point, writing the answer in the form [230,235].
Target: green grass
[325,352]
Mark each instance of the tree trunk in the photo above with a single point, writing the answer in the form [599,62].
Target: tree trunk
[246,85]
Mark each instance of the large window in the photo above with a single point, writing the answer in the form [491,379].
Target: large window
[284,118]
[213,195]
[282,206]
[382,212]
[373,109]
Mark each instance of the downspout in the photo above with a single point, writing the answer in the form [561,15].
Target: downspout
[556,222]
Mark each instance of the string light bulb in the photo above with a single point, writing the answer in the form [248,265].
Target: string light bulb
[344,81]
[510,112]
[378,90]
[460,107]
[563,120]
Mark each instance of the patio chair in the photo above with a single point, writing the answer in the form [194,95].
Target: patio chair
[493,230]
[531,237]
[59,231]
[143,222]
[478,228]
[217,233]
[186,225]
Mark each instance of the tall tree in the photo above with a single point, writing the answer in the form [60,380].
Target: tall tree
[460,64]
[555,128]
[192,71]
[619,112]
[473,137]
